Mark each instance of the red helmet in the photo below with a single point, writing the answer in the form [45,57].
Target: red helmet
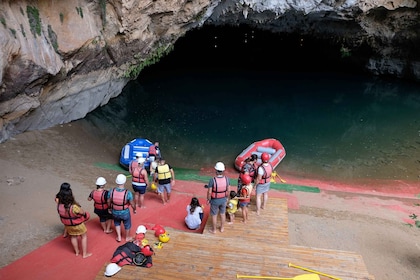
[246,179]
[265,157]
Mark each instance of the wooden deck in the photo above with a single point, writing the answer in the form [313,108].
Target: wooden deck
[260,247]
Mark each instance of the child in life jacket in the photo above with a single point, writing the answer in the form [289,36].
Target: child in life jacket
[232,207]
[245,196]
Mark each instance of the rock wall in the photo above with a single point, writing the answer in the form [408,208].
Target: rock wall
[59,60]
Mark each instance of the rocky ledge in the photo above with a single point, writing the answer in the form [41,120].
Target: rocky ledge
[59,60]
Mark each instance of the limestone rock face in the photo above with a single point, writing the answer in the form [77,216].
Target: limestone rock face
[59,60]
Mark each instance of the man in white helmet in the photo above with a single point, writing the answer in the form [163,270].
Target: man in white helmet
[218,190]
[119,201]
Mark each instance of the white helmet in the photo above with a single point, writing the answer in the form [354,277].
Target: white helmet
[219,166]
[112,269]
[121,179]
[100,181]
[141,229]
[141,160]
[139,154]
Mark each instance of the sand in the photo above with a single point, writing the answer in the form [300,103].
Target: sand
[372,222]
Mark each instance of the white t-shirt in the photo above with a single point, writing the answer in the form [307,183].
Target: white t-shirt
[193,220]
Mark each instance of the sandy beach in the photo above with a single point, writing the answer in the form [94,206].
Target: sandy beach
[373,222]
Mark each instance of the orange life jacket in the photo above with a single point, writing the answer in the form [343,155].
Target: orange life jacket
[138,177]
[220,187]
[67,216]
[266,177]
[119,200]
[99,199]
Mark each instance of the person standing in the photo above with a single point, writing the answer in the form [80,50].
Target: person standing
[245,196]
[249,169]
[100,199]
[154,152]
[139,182]
[154,157]
[119,201]
[165,176]
[263,182]
[73,217]
[218,190]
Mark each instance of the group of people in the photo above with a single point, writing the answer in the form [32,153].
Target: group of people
[224,201]
[113,205]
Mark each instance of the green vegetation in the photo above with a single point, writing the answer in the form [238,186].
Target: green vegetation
[3,21]
[53,38]
[13,32]
[134,70]
[34,20]
[102,3]
[22,30]
[79,11]
[61,18]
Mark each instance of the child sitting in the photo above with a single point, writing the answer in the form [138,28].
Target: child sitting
[232,207]
[194,214]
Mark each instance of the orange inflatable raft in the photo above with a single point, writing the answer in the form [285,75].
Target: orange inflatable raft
[271,146]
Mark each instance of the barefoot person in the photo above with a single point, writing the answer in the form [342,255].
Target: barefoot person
[139,181]
[119,201]
[217,195]
[100,199]
[73,216]
[165,176]
[262,182]
[245,196]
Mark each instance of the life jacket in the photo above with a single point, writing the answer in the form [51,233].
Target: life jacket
[250,168]
[220,187]
[138,177]
[68,218]
[133,165]
[153,151]
[119,200]
[164,172]
[246,192]
[266,177]
[99,199]
[128,254]
[125,253]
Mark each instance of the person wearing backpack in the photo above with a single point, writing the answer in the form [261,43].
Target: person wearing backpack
[119,201]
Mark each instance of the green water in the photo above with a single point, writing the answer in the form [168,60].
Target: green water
[208,107]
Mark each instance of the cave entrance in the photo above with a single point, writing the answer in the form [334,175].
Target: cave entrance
[245,47]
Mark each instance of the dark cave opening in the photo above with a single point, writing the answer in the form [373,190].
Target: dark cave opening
[244,47]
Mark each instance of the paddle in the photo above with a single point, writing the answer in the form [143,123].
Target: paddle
[298,277]
[274,175]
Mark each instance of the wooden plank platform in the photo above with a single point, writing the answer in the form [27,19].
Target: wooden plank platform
[259,247]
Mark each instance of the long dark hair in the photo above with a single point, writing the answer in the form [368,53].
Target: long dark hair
[194,203]
[65,196]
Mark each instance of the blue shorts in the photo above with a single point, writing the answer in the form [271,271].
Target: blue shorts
[218,205]
[140,189]
[162,188]
[122,216]
[243,204]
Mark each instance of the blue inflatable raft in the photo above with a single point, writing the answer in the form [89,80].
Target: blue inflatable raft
[129,151]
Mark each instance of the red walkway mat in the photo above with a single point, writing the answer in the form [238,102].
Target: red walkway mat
[56,259]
